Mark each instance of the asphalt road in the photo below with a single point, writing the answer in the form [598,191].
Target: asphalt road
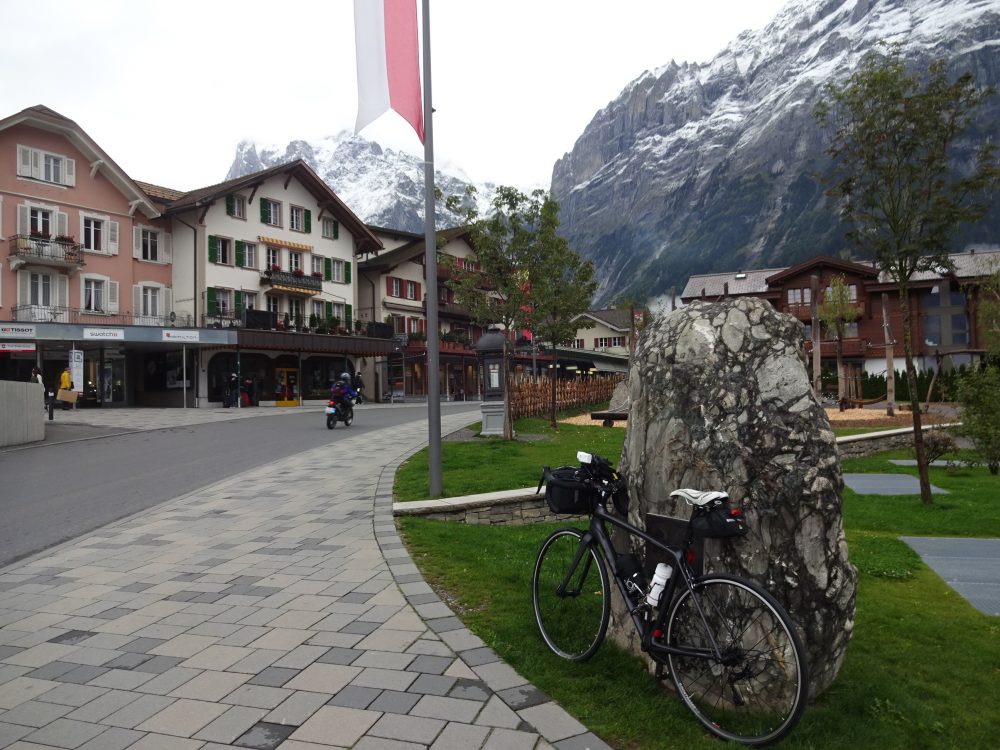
[57,491]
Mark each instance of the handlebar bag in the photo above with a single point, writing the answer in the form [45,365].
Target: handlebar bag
[567,492]
[718,522]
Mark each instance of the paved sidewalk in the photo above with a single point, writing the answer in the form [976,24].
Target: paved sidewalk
[277,608]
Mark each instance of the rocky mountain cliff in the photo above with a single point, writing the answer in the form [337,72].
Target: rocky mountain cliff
[383,187]
[700,168]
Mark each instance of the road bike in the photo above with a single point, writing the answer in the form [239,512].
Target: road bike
[730,648]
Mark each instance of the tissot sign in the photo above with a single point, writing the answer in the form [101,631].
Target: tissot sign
[8,331]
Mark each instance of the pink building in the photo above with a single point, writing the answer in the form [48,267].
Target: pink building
[88,267]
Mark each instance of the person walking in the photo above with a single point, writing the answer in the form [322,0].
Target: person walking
[36,377]
[65,384]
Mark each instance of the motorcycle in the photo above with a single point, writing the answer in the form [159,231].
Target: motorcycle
[337,411]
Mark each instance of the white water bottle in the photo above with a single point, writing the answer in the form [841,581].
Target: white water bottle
[660,578]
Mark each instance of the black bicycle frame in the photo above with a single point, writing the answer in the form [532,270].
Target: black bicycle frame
[644,627]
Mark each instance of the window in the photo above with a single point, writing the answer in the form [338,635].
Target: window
[337,310]
[43,165]
[236,206]
[411,290]
[852,292]
[41,221]
[850,329]
[297,219]
[331,229]
[41,289]
[396,285]
[295,261]
[800,296]
[93,234]
[270,212]
[944,317]
[250,300]
[604,342]
[272,303]
[337,272]
[249,255]
[576,344]
[317,264]
[317,310]
[295,307]
[273,259]
[93,295]
[398,324]
[224,301]
[225,256]
[149,243]
[150,301]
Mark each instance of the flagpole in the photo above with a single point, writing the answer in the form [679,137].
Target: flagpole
[430,272]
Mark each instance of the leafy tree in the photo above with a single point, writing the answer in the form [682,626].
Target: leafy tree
[979,395]
[988,309]
[525,275]
[891,147]
[562,286]
[836,312]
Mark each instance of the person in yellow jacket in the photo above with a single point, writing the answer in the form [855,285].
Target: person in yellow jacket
[66,384]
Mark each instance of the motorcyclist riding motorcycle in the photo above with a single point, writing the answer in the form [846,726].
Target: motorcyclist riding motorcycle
[341,404]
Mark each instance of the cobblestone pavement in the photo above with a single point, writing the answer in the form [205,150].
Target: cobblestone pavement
[277,608]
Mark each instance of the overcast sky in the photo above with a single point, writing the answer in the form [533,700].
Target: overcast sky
[169,88]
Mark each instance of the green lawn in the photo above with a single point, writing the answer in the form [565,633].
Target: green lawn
[922,669]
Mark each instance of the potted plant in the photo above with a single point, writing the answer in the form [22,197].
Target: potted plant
[288,321]
[298,273]
[275,267]
[416,337]
[68,238]
[313,322]
[317,275]
[334,323]
[37,234]
[298,321]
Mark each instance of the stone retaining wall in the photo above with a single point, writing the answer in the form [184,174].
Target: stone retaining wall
[502,512]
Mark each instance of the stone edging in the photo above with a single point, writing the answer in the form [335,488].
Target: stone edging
[545,716]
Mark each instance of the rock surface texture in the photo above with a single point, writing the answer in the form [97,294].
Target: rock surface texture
[720,399]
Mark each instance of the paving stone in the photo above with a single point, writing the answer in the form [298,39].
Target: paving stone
[470,689]
[552,722]
[233,724]
[496,714]
[410,728]
[265,736]
[121,679]
[389,679]
[52,671]
[114,738]
[168,681]
[336,725]
[586,741]
[297,708]
[11,733]
[325,678]
[65,733]
[138,711]
[82,674]
[273,676]
[384,660]
[431,664]
[394,701]
[449,709]
[34,713]
[499,676]
[508,739]
[210,686]
[142,645]
[522,696]
[353,696]
[457,736]
[164,742]
[337,655]
[104,705]
[432,684]
[72,637]
[258,696]
[182,718]
[158,664]
[67,694]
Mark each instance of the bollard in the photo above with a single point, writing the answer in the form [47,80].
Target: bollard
[52,405]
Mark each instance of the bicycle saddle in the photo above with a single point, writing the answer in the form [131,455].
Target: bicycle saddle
[700,497]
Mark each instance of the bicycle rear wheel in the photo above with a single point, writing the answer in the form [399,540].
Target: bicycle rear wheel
[572,618]
[757,693]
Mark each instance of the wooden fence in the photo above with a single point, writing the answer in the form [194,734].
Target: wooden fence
[531,397]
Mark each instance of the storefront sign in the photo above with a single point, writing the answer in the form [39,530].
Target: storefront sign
[107,334]
[182,336]
[76,369]
[15,331]
[16,347]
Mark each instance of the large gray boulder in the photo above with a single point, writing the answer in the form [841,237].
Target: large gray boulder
[720,398]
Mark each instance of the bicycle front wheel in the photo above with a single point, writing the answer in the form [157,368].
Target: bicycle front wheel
[572,605]
[756,693]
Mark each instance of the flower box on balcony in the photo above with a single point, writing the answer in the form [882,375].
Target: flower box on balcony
[275,267]
[66,238]
[317,275]
[41,236]
[298,273]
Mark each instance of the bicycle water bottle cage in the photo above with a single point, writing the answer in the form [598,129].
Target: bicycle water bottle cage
[700,498]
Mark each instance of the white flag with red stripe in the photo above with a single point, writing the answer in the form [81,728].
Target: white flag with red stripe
[388,51]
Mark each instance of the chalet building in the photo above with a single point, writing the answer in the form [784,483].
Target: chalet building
[270,258]
[942,306]
[602,348]
[88,279]
[393,292]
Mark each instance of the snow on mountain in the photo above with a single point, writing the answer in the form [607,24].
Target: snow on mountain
[382,186]
[700,168]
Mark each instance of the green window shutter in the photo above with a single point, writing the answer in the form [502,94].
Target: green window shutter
[230,205]
[347,272]
[309,221]
[328,269]
[241,253]
[336,230]
[211,302]
[237,303]
[265,215]
[348,317]
[329,310]
[213,249]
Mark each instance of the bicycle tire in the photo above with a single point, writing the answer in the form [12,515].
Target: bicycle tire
[573,624]
[759,697]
